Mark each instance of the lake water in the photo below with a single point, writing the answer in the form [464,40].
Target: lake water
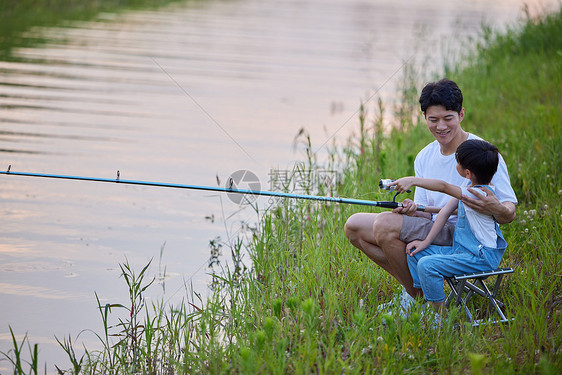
[182,94]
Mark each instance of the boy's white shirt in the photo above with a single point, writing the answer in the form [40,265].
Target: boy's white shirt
[483,226]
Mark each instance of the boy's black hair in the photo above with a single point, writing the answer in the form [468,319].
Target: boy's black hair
[444,92]
[480,157]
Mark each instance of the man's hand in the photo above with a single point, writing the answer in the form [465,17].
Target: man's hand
[489,204]
[415,247]
[408,208]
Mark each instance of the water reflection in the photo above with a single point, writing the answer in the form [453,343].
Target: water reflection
[181,94]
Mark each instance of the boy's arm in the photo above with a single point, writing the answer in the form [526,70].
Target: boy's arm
[405,183]
[440,220]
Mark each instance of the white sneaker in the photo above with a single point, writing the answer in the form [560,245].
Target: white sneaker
[403,302]
[406,302]
[432,318]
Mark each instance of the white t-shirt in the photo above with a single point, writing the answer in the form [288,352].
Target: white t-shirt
[482,226]
[430,163]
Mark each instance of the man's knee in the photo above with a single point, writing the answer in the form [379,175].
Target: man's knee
[351,226]
[358,225]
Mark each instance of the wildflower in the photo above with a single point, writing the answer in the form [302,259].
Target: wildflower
[547,176]
[523,222]
[367,350]
[526,230]
[380,338]
[526,213]
[533,212]
[546,206]
[559,192]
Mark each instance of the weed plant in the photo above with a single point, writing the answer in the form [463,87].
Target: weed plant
[309,302]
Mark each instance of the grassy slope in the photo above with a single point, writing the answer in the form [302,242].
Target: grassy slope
[321,294]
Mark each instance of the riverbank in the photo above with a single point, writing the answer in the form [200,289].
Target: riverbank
[311,305]
[310,302]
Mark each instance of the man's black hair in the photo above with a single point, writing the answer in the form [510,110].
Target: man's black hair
[480,157]
[444,92]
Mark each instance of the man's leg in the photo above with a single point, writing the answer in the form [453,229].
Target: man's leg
[359,231]
[363,230]
[386,230]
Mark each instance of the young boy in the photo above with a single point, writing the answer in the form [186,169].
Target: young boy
[478,244]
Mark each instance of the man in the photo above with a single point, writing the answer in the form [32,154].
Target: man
[382,236]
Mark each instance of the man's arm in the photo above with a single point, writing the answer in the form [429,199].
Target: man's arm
[503,212]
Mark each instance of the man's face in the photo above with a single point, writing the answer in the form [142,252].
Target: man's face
[445,125]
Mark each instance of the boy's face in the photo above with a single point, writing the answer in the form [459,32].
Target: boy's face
[445,125]
[461,170]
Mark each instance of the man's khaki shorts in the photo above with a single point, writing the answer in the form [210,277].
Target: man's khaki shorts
[417,228]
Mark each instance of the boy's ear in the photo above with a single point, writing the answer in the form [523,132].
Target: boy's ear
[469,174]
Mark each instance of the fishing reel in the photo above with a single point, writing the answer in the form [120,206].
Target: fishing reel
[384,185]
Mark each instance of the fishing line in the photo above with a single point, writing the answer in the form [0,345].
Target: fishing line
[203,109]
[368,100]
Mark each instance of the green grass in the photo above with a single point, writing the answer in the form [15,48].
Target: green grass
[309,303]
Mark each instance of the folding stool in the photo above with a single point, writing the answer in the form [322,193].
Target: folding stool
[473,283]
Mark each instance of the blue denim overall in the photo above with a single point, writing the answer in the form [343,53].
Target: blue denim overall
[467,255]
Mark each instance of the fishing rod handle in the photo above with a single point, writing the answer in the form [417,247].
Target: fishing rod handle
[393,205]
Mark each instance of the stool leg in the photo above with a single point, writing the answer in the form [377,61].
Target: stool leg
[492,300]
[454,293]
[461,302]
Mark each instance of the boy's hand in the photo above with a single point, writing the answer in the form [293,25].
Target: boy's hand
[403,184]
[415,247]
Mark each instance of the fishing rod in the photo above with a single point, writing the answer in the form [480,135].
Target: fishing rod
[230,189]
